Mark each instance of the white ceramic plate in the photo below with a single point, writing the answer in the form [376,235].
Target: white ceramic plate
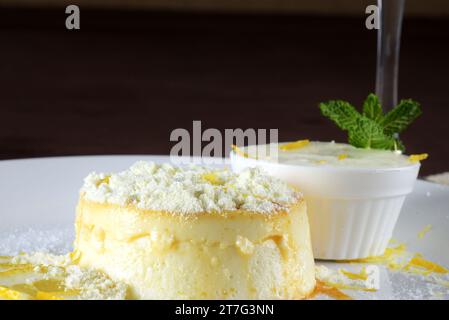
[38,199]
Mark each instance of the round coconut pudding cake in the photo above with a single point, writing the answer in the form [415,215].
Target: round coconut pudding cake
[196,233]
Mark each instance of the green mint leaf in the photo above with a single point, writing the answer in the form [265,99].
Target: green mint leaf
[372,129]
[372,108]
[401,116]
[369,134]
[341,112]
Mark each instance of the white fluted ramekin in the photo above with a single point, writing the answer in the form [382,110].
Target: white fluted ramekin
[352,211]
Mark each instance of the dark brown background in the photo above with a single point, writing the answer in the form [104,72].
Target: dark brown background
[124,81]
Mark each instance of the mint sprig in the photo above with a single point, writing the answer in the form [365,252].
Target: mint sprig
[372,128]
[341,112]
[372,108]
[369,134]
[401,116]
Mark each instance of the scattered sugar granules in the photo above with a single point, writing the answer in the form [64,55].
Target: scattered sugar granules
[52,240]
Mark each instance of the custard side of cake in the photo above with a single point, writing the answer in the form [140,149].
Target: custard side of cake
[194,233]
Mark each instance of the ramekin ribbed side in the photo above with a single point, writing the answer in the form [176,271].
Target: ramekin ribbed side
[352,228]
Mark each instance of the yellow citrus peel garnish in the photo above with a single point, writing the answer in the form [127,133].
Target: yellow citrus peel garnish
[9,294]
[34,281]
[341,286]
[425,265]
[211,178]
[329,290]
[394,259]
[238,151]
[40,295]
[294,145]
[363,275]
[423,232]
[105,180]
[75,256]
[418,157]
[389,258]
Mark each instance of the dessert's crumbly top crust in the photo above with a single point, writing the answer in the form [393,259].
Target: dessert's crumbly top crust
[190,189]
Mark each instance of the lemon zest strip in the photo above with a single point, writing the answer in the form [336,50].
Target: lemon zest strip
[238,151]
[419,262]
[329,290]
[294,145]
[211,178]
[423,232]
[363,275]
[414,158]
